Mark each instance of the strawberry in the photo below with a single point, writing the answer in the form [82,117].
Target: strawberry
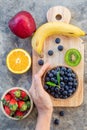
[19,114]
[8,111]
[24,95]
[22,106]
[13,105]
[6,99]
[15,93]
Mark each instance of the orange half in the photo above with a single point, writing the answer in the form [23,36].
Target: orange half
[18,61]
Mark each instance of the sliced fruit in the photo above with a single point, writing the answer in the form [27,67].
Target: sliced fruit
[18,61]
[72,57]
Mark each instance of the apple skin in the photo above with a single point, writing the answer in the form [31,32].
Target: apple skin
[22,24]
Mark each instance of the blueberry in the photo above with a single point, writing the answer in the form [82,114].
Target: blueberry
[75,84]
[60,47]
[61,89]
[52,89]
[40,62]
[70,83]
[61,96]
[61,73]
[69,94]
[58,69]
[59,93]
[63,69]
[74,89]
[64,93]
[56,121]
[69,74]
[66,87]
[57,40]
[65,96]
[69,70]
[48,90]
[50,75]
[45,87]
[65,79]
[73,75]
[56,95]
[52,79]
[70,87]
[61,78]
[52,93]
[62,84]
[56,82]
[65,73]
[75,80]
[47,79]
[50,52]
[70,91]
[53,71]
[56,89]
[70,79]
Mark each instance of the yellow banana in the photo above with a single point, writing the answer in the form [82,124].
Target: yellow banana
[52,28]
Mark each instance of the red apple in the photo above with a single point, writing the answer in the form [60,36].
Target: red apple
[22,24]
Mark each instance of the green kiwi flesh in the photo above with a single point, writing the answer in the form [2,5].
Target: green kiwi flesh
[72,57]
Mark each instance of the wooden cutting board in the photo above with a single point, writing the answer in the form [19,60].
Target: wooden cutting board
[59,14]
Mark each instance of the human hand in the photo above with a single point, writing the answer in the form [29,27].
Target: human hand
[40,97]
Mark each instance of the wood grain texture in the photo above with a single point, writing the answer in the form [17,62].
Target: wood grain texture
[58,60]
[58,14]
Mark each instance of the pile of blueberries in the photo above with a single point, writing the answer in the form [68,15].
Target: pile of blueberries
[68,82]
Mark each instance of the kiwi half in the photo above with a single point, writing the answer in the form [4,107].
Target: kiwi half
[72,57]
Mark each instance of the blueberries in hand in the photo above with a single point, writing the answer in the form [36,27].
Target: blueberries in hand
[66,85]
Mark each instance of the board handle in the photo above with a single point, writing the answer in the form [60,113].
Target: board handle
[58,14]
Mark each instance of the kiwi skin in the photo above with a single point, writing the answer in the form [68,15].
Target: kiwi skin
[72,57]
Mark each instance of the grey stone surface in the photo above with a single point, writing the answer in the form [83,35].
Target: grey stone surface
[75,118]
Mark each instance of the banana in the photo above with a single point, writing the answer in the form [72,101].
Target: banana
[52,28]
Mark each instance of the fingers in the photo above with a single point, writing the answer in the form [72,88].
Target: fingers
[43,69]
